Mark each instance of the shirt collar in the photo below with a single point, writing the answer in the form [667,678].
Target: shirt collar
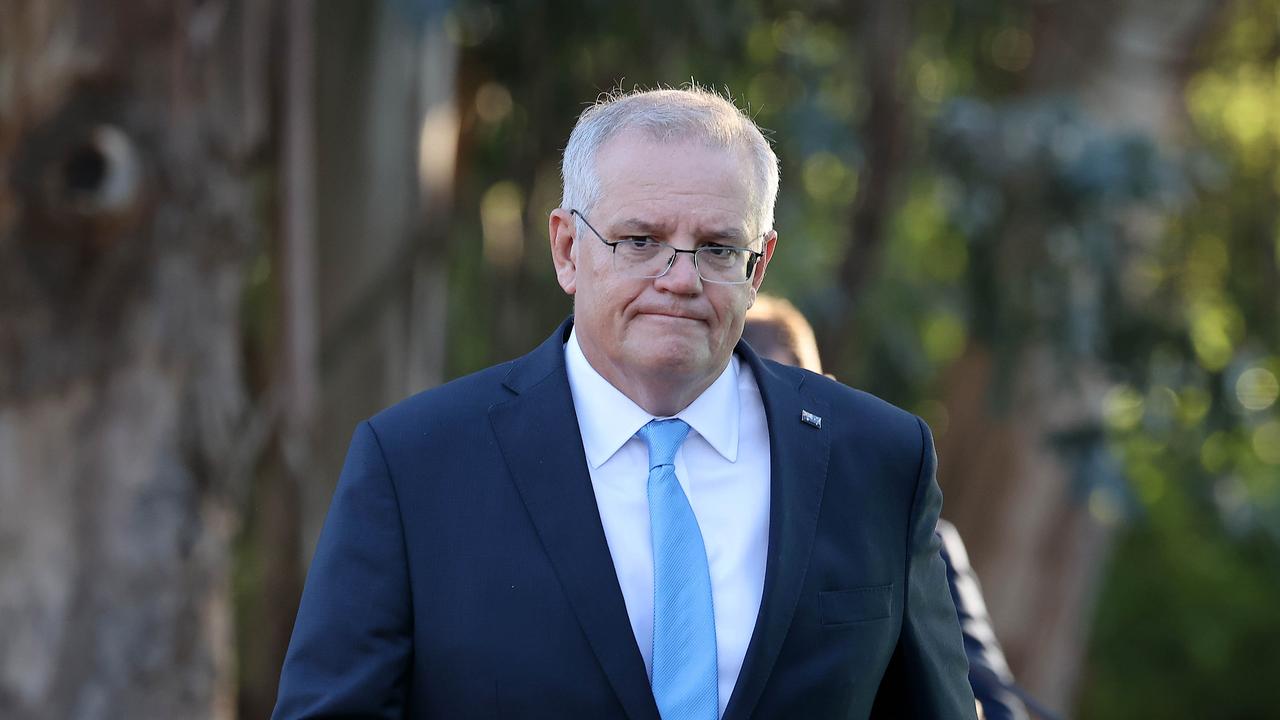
[608,419]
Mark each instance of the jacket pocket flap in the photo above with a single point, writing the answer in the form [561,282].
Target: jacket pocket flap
[841,607]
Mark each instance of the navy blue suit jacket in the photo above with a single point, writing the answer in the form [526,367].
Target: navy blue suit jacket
[463,571]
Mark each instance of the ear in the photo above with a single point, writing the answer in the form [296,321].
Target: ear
[770,242]
[560,227]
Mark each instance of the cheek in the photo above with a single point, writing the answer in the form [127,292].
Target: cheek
[732,312]
[593,280]
[607,304]
[733,329]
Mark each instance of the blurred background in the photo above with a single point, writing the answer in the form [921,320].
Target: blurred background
[231,230]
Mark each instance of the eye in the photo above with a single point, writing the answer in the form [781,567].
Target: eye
[720,252]
[638,244]
[638,247]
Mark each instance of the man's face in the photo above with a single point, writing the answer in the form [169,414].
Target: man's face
[677,328]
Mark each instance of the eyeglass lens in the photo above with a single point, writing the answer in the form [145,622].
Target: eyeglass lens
[647,259]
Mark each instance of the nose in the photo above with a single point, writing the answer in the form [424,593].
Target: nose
[682,277]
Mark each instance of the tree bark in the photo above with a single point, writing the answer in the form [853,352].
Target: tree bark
[1036,542]
[127,132]
[886,38]
[270,576]
[388,132]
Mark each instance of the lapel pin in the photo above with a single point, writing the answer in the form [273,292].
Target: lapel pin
[810,419]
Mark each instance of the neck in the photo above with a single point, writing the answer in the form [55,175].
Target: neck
[661,394]
[661,401]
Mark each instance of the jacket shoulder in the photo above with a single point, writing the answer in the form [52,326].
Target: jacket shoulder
[846,401]
[457,403]
[857,418]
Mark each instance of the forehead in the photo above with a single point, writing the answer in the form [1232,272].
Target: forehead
[668,180]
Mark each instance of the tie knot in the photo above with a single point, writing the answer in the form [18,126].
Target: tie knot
[663,438]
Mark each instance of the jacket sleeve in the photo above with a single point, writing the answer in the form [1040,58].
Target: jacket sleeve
[352,641]
[927,677]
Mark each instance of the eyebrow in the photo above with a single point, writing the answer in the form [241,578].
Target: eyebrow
[636,226]
[641,227]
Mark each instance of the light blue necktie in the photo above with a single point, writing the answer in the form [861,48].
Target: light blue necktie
[684,680]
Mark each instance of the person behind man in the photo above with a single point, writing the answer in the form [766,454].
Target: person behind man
[778,331]
[640,518]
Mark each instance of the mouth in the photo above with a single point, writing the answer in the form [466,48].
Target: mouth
[670,316]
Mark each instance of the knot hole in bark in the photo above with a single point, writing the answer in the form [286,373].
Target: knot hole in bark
[98,178]
[84,169]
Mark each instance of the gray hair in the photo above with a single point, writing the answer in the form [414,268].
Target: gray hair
[665,114]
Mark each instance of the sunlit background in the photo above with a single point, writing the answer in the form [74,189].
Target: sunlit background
[231,230]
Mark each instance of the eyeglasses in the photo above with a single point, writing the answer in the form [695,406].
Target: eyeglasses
[645,258]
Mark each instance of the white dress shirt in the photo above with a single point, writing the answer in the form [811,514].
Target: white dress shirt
[723,467]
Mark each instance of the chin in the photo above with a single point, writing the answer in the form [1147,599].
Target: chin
[675,356]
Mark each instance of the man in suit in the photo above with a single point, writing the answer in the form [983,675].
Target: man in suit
[640,518]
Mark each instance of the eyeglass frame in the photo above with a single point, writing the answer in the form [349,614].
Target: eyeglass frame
[753,258]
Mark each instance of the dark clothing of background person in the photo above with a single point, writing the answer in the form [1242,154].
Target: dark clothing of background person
[989,673]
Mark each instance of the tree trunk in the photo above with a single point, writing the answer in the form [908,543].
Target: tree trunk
[1039,543]
[126,212]
[388,132]
[1037,546]
[886,35]
[270,578]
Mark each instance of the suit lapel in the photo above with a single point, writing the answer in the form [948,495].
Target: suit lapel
[538,433]
[798,472]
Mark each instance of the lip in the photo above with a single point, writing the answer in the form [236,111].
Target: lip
[670,315]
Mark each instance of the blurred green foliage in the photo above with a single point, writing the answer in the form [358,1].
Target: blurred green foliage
[1188,623]
[1018,220]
